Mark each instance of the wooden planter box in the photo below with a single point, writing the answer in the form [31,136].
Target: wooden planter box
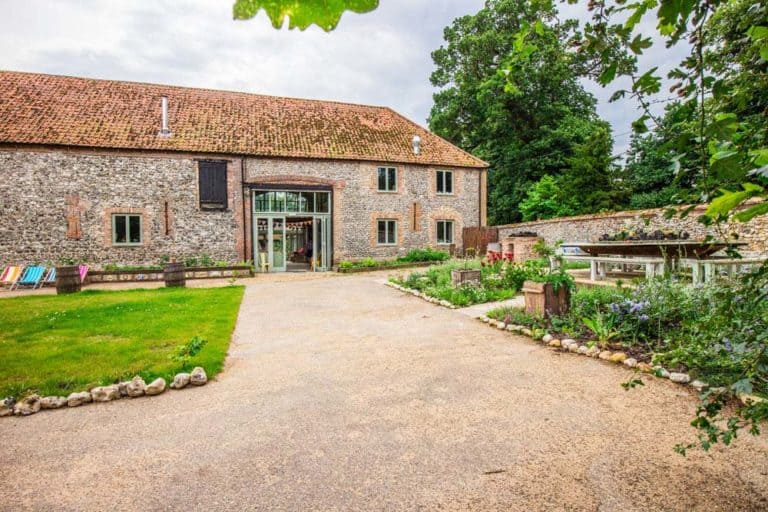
[461,276]
[541,299]
[156,274]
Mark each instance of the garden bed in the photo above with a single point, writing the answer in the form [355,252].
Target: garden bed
[156,274]
[715,333]
[499,280]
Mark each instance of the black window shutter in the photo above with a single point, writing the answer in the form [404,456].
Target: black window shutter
[213,185]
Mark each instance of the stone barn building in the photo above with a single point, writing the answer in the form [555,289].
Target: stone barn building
[104,172]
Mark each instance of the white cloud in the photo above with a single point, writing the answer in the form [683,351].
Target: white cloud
[380,58]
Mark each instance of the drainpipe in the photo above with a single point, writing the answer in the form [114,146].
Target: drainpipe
[245,230]
[479,200]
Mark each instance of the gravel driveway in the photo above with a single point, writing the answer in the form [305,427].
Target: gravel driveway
[343,394]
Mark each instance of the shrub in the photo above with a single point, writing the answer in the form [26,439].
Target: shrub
[428,254]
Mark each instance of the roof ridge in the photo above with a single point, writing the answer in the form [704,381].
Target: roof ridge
[190,88]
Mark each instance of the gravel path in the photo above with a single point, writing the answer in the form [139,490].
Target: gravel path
[343,394]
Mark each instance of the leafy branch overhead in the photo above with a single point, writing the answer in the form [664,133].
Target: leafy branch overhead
[302,13]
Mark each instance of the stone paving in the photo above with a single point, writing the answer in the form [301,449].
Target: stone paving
[343,394]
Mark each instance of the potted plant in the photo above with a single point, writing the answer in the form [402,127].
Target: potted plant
[550,293]
[465,275]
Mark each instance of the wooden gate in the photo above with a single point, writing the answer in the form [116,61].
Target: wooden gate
[478,238]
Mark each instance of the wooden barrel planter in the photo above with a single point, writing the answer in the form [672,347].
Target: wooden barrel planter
[174,275]
[68,279]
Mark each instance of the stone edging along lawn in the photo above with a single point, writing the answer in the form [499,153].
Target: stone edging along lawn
[133,388]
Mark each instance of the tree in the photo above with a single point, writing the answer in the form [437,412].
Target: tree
[591,182]
[525,132]
[302,13]
[655,159]
[545,200]
[722,75]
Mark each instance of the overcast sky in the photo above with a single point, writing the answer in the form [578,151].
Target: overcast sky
[379,58]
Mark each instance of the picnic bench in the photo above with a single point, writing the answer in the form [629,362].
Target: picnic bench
[705,270]
[599,265]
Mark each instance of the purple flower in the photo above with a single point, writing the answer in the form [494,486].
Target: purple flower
[727,345]
[615,308]
[643,318]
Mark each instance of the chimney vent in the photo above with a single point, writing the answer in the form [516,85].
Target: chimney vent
[416,142]
[164,130]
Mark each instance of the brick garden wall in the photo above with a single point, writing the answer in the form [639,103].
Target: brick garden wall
[589,228]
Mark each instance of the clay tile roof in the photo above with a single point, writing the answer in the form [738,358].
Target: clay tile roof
[59,110]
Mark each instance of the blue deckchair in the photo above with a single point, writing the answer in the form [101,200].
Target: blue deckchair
[50,277]
[32,276]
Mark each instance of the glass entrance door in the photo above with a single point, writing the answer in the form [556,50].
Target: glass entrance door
[321,244]
[270,243]
[277,237]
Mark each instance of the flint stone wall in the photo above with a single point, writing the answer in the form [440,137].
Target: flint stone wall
[589,228]
[357,203]
[57,205]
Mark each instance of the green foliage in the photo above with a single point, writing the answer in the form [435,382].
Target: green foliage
[500,280]
[602,327]
[302,13]
[412,256]
[517,316]
[428,254]
[184,353]
[57,344]
[591,183]
[545,200]
[527,128]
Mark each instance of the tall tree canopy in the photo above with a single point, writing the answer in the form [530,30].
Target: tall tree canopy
[525,132]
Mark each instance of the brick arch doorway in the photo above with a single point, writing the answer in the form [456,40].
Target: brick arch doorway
[292,227]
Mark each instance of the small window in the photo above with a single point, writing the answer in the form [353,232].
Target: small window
[126,229]
[444,182]
[445,232]
[387,232]
[213,184]
[387,179]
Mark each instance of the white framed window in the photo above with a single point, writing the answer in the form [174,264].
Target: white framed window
[126,229]
[445,182]
[386,179]
[445,232]
[386,232]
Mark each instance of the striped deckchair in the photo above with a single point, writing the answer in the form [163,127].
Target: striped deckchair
[50,277]
[11,274]
[32,276]
[83,272]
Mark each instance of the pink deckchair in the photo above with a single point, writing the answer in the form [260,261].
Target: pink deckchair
[83,272]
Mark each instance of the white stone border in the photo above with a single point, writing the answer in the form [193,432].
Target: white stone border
[421,295]
[573,346]
[133,388]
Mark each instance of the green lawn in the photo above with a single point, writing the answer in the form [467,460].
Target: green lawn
[54,345]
